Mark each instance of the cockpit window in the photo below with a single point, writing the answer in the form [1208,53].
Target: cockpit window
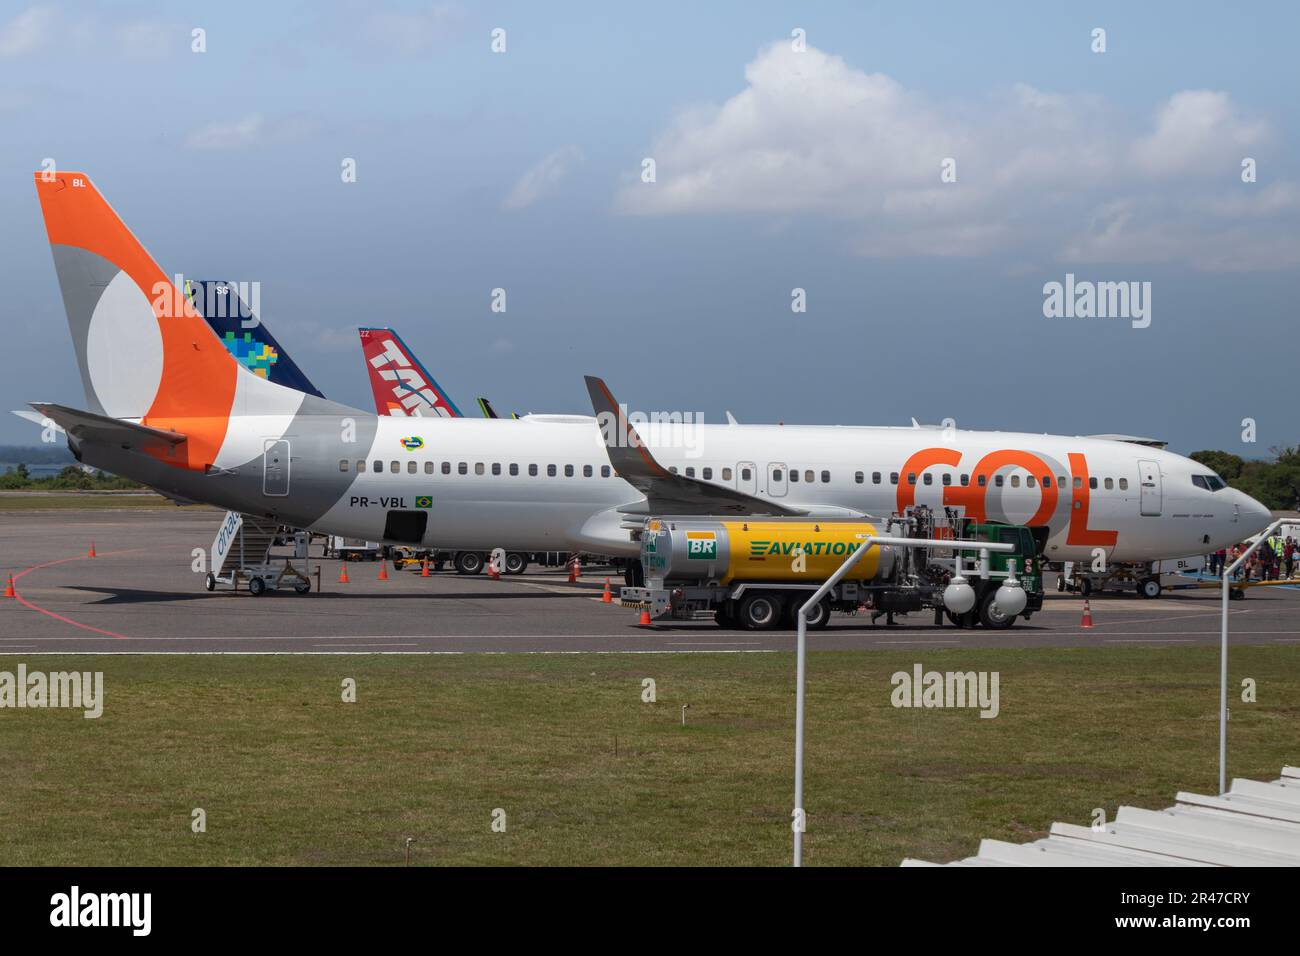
[1209,482]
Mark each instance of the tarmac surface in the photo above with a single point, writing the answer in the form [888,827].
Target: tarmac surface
[140,595]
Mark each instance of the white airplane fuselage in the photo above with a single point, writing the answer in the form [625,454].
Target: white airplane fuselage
[536,483]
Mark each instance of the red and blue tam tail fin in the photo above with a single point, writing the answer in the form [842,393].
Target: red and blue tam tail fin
[400,382]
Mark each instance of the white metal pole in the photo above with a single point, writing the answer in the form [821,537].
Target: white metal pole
[801,654]
[1223,653]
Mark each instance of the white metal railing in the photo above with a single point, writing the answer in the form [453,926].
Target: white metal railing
[801,653]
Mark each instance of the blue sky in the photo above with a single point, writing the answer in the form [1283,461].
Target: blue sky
[775,170]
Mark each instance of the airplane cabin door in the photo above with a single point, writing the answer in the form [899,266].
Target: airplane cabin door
[746,477]
[776,479]
[1149,478]
[275,467]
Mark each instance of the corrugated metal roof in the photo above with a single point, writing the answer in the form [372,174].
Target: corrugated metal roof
[1253,824]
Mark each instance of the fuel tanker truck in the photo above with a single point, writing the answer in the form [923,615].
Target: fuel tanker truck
[756,573]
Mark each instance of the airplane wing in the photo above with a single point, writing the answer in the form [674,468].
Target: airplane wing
[665,492]
[88,426]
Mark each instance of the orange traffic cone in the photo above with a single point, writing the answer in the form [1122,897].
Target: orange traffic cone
[383,570]
[645,618]
[343,573]
[9,587]
[424,568]
[92,550]
[607,598]
[1087,615]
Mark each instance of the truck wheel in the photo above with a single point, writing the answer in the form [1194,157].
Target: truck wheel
[760,612]
[991,616]
[1149,588]
[302,587]
[817,619]
[516,563]
[468,562]
[210,582]
[1085,587]
[256,586]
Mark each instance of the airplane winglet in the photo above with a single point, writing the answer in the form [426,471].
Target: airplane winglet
[627,453]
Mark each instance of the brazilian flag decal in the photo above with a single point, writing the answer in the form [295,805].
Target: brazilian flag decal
[424,501]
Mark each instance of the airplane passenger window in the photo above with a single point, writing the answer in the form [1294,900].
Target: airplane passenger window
[1092,483]
[911,477]
[1015,481]
[361,465]
[999,480]
[478,468]
[726,474]
[776,474]
[550,471]
[428,468]
[690,471]
[411,467]
[947,478]
[532,471]
[928,478]
[496,467]
[875,477]
[395,466]
[982,480]
[1047,481]
[568,471]
[378,465]
[343,464]
[462,468]
[586,471]
[965,480]
[826,477]
[746,474]
[604,471]
[514,469]
[794,475]
[893,478]
[707,474]
[1029,481]
[1110,483]
[1078,481]
[1123,484]
[808,476]
[446,468]
[1060,481]
[673,469]
[859,477]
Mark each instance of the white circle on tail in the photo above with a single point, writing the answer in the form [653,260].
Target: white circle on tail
[124,350]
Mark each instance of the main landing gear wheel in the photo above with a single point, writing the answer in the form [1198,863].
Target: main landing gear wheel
[1149,588]
[256,587]
[760,612]
[516,563]
[210,582]
[818,618]
[468,562]
[991,616]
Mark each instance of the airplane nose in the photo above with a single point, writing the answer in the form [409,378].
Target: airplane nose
[1254,516]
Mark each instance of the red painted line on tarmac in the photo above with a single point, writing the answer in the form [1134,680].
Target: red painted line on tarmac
[30,605]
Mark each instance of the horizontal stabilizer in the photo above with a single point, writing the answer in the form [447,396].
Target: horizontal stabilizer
[665,492]
[88,426]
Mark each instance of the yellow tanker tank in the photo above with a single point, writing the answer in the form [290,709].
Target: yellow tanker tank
[724,551]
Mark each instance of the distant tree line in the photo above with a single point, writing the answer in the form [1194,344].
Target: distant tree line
[51,454]
[1274,483]
[70,478]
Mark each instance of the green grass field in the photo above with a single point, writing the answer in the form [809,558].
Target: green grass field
[589,774]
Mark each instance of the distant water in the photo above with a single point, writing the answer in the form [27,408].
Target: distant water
[37,471]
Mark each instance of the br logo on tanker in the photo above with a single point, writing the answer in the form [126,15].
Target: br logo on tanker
[701,545]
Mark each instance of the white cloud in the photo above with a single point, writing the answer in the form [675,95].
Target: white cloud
[543,178]
[28,31]
[237,134]
[1198,130]
[1055,174]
